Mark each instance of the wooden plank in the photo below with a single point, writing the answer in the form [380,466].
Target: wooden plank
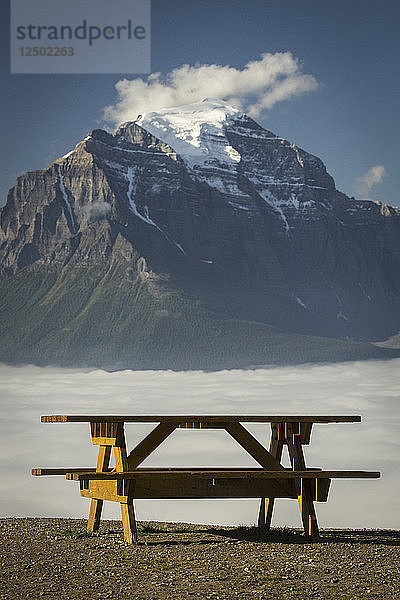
[158,487]
[149,443]
[40,472]
[253,447]
[305,498]
[54,418]
[103,459]
[182,419]
[91,470]
[320,489]
[257,451]
[96,507]
[305,432]
[120,454]
[307,510]
[104,490]
[106,433]
[129,523]
[275,448]
[125,487]
[222,474]
[194,469]
[210,488]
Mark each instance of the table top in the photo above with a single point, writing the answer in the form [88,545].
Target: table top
[201,418]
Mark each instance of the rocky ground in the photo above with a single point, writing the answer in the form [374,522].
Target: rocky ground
[57,559]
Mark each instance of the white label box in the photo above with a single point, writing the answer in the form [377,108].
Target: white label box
[80,36]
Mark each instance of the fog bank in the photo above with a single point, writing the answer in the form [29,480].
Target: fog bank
[370,388]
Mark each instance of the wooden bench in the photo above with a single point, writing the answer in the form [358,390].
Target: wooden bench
[128,482]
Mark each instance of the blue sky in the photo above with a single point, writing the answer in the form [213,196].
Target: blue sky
[352,49]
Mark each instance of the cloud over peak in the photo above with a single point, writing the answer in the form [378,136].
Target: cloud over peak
[373,176]
[255,88]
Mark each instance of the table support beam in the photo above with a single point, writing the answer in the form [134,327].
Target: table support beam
[257,451]
[253,447]
[150,443]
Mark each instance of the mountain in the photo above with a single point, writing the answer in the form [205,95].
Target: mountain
[193,238]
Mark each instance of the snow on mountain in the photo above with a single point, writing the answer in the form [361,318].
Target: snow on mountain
[197,133]
[225,149]
[218,142]
[222,147]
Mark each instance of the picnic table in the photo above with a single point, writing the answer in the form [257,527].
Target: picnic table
[127,481]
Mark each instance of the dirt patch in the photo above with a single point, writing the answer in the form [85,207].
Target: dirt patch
[57,559]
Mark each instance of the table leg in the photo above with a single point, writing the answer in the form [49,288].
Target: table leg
[265,513]
[307,510]
[127,510]
[109,435]
[129,523]
[96,506]
[267,504]
[305,498]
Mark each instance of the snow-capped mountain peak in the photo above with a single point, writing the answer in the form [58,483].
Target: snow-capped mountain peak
[196,132]
[218,142]
[188,227]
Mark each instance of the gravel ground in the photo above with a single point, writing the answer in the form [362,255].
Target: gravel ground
[57,559]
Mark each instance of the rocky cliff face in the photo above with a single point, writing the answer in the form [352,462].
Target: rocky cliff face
[203,200]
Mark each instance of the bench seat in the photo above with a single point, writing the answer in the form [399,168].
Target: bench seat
[185,483]
[222,473]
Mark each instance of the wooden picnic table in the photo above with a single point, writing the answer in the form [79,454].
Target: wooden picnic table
[127,482]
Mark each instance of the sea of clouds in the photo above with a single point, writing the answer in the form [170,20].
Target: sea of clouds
[369,388]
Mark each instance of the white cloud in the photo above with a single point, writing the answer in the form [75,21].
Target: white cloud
[370,388]
[96,209]
[257,87]
[373,176]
